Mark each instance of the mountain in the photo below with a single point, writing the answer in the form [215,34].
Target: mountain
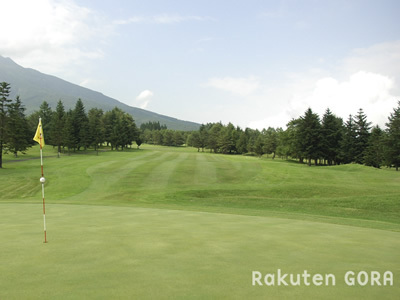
[35,87]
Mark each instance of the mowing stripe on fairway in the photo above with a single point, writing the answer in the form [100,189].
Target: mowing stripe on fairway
[182,178]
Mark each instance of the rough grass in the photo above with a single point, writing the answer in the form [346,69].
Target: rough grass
[162,223]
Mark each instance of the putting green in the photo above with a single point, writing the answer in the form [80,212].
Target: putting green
[107,252]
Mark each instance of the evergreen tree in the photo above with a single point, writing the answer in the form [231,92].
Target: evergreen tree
[290,142]
[374,153]
[282,149]
[203,137]
[259,145]
[128,129]
[109,120]
[139,138]
[226,142]
[112,127]
[178,138]
[362,130]
[213,137]
[347,144]
[331,135]
[120,129]
[4,105]
[96,132]
[46,114]
[194,140]
[57,126]
[271,141]
[393,139]
[70,139]
[19,134]
[81,125]
[168,137]
[152,126]
[123,132]
[241,144]
[251,136]
[309,135]
[147,136]
[157,137]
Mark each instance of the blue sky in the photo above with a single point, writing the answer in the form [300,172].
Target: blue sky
[253,63]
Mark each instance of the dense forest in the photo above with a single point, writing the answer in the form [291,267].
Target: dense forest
[309,138]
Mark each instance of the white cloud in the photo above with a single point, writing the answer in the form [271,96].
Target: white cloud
[160,19]
[144,98]
[48,34]
[366,90]
[275,121]
[239,86]
[367,78]
[370,91]
[383,58]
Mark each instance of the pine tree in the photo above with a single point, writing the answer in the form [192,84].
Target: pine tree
[194,140]
[46,114]
[213,137]
[271,141]
[226,142]
[139,138]
[157,137]
[168,137]
[19,134]
[203,137]
[362,130]
[331,137]
[96,130]
[128,129]
[69,137]
[57,126]
[291,143]
[374,153]
[347,144]
[4,106]
[241,144]
[310,136]
[393,139]
[259,145]
[81,125]
[178,138]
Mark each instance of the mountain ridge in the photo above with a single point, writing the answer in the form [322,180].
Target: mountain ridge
[35,87]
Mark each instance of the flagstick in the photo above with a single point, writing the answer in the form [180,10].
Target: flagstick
[40,139]
[42,180]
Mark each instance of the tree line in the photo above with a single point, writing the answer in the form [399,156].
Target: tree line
[73,129]
[325,141]
[309,139]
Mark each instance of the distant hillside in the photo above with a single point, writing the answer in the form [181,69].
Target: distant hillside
[34,87]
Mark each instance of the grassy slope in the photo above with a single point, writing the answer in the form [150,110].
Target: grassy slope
[142,228]
[185,179]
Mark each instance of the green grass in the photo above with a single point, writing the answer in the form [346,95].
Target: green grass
[182,178]
[174,223]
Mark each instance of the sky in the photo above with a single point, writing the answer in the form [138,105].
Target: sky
[255,64]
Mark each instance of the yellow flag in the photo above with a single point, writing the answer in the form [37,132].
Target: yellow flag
[39,137]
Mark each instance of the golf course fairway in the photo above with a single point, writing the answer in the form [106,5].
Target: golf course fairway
[172,223]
